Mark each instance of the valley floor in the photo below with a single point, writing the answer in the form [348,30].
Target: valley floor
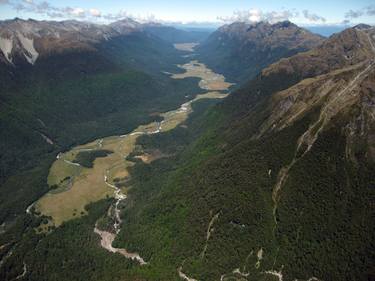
[75,185]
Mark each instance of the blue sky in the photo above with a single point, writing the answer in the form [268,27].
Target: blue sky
[180,11]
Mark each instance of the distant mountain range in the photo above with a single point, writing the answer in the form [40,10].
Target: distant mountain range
[24,41]
[79,79]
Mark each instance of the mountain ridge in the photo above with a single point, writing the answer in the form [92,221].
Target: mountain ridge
[282,171]
[273,183]
[240,50]
[26,40]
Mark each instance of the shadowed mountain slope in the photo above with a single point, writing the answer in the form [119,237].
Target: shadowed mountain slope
[281,176]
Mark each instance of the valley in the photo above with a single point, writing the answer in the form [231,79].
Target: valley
[76,186]
[209,79]
[138,151]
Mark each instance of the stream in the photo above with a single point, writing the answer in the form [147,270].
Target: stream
[88,185]
[107,237]
[210,81]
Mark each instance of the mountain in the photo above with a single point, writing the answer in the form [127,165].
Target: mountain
[240,50]
[174,35]
[26,40]
[339,86]
[126,26]
[66,82]
[274,183]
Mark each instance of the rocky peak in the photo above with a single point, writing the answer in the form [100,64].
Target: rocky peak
[284,24]
[126,26]
[362,26]
[27,40]
[281,33]
[343,49]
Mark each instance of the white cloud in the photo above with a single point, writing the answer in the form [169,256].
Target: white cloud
[252,15]
[277,16]
[256,15]
[313,17]
[119,15]
[366,11]
[95,13]
[353,14]
[370,10]
[78,12]
[45,8]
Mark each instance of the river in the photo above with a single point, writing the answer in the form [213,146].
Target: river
[79,186]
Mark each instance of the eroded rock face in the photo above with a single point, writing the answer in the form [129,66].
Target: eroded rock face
[343,86]
[26,40]
[341,50]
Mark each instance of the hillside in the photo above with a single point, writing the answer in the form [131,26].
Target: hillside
[240,50]
[278,185]
[67,82]
[26,41]
[119,162]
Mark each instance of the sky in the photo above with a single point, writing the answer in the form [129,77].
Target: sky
[199,12]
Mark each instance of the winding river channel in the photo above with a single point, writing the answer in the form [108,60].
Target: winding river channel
[77,186]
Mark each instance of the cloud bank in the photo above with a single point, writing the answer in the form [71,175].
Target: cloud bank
[255,15]
[366,11]
[53,12]
[42,7]
[313,17]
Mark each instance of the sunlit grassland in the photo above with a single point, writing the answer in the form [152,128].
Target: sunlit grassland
[75,186]
[209,80]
